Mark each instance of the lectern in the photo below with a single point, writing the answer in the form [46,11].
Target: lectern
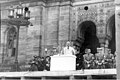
[63,63]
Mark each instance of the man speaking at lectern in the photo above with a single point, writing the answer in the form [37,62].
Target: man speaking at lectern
[64,61]
[68,50]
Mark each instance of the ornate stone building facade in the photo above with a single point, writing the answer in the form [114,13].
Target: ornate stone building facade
[87,23]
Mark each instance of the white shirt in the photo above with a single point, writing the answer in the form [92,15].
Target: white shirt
[70,51]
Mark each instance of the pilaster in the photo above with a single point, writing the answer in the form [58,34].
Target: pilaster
[117,23]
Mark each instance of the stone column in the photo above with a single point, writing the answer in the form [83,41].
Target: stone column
[117,23]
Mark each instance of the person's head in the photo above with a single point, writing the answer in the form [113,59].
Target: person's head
[46,50]
[35,56]
[68,43]
[109,51]
[99,50]
[42,58]
[54,49]
[74,47]
[39,59]
[47,58]
[87,50]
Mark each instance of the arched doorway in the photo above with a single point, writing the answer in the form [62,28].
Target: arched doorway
[87,32]
[111,32]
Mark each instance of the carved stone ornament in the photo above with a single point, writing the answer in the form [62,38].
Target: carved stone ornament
[11,37]
[91,16]
[15,21]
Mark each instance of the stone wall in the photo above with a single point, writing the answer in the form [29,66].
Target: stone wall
[3,38]
[52,25]
[64,30]
[29,36]
[33,32]
[58,25]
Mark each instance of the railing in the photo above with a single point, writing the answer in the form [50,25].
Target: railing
[44,75]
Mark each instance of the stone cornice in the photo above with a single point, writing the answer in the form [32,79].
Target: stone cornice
[27,3]
[67,3]
[52,1]
[30,3]
[91,2]
[117,2]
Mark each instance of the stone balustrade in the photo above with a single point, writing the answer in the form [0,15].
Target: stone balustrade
[44,75]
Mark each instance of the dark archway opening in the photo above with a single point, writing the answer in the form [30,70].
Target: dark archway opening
[91,41]
[86,38]
[112,42]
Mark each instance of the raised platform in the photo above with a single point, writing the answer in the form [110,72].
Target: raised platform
[43,74]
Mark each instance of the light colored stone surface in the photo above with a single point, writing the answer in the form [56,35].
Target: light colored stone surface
[52,25]
[117,1]
[64,23]
[60,73]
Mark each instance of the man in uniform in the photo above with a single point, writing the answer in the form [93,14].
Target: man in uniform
[99,59]
[79,60]
[114,61]
[109,59]
[88,59]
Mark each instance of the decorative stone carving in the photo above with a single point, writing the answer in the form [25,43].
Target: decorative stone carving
[11,37]
[90,16]
[86,15]
[109,13]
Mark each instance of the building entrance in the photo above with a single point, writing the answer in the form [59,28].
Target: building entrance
[87,32]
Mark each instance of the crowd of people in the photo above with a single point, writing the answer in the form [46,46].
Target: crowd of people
[40,63]
[98,60]
[87,60]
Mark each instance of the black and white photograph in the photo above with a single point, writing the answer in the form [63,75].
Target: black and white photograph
[59,39]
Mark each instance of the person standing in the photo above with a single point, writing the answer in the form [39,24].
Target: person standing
[68,50]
